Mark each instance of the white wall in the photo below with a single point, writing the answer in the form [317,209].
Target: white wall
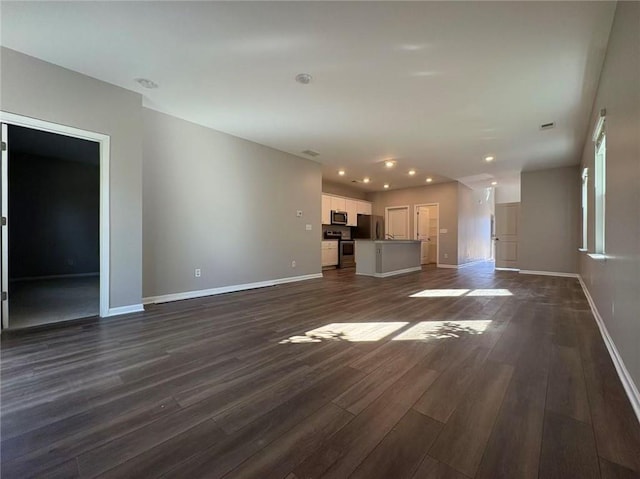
[614,284]
[37,89]
[549,215]
[509,193]
[224,205]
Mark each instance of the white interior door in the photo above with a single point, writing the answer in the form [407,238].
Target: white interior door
[426,221]
[506,238]
[4,168]
[434,211]
[398,222]
[422,233]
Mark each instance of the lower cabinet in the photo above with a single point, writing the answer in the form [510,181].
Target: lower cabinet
[329,253]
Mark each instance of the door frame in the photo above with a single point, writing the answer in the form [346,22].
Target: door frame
[415,229]
[386,218]
[104,146]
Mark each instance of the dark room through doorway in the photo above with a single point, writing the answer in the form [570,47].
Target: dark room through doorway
[53,227]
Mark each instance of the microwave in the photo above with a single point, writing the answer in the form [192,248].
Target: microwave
[338,217]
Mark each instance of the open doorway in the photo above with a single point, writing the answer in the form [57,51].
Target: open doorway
[427,226]
[54,236]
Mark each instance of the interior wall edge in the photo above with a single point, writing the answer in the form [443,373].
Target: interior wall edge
[623,373]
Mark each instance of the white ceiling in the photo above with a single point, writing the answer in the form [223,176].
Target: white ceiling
[435,85]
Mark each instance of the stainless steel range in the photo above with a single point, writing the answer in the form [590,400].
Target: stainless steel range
[346,248]
[347,254]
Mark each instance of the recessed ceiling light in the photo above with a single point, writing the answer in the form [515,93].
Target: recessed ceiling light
[412,172]
[303,78]
[386,185]
[494,183]
[146,83]
[341,172]
[489,158]
[429,180]
[390,163]
[366,179]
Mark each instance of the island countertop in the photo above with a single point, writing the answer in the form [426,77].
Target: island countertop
[382,258]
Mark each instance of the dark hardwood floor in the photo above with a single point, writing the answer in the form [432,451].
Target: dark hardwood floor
[482,374]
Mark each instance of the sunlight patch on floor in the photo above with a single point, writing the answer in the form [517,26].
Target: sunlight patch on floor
[453,293]
[443,329]
[353,332]
[439,293]
[490,292]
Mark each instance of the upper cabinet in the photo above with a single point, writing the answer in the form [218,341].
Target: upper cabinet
[352,206]
[338,203]
[363,208]
[352,212]
[326,210]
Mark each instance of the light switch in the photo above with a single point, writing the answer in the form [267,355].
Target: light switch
[444,230]
[299,213]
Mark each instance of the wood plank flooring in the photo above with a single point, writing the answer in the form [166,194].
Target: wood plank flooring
[483,375]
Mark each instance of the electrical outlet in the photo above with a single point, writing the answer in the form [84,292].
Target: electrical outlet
[446,255]
[293,263]
[308,227]
[197,272]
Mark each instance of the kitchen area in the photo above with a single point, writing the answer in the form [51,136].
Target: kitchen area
[353,238]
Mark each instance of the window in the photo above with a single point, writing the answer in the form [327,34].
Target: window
[600,139]
[585,211]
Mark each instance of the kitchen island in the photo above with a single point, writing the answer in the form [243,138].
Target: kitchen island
[382,258]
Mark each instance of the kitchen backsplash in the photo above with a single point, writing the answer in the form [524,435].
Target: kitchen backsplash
[345,230]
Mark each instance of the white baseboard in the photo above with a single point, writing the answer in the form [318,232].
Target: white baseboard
[392,273]
[463,265]
[471,263]
[165,298]
[626,379]
[550,273]
[132,308]
[506,269]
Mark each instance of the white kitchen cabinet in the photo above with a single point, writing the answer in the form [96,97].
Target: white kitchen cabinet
[352,212]
[352,206]
[363,208]
[338,203]
[329,253]
[326,209]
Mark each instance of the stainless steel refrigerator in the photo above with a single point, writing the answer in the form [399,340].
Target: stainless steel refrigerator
[370,227]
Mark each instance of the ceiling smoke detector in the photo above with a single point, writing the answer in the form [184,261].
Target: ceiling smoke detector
[548,126]
[303,78]
[146,83]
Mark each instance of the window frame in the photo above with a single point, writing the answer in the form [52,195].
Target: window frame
[600,184]
[585,209]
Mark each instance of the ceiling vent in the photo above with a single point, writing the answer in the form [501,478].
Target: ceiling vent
[547,126]
[311,153]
